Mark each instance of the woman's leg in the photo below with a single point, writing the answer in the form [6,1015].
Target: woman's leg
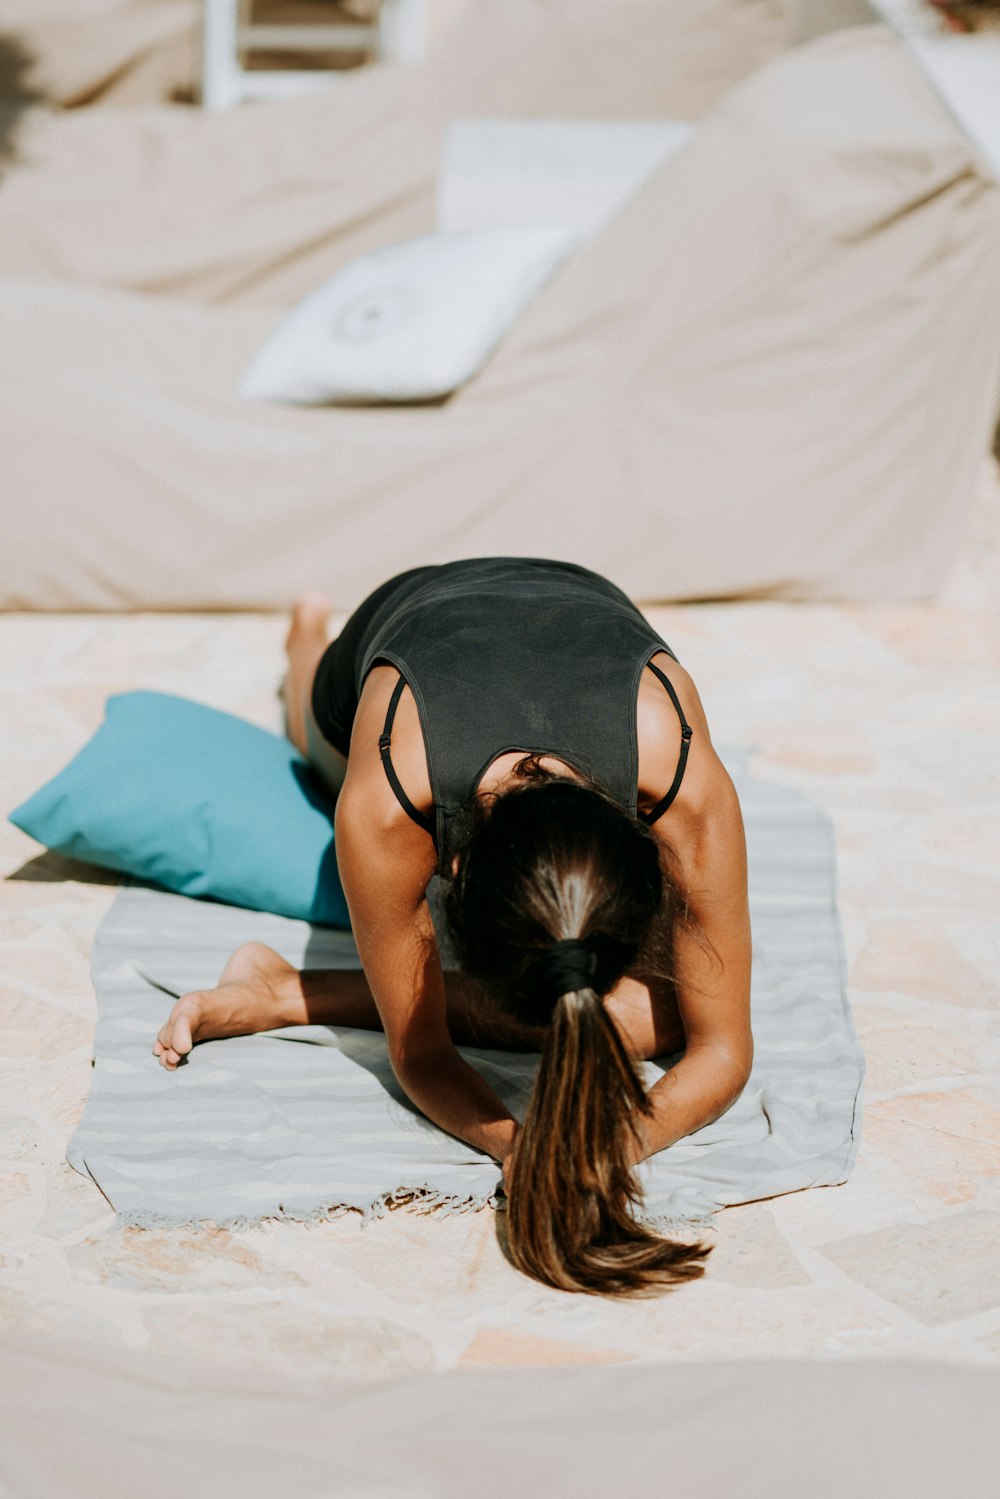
[307,647]
[307,640]
[259,991]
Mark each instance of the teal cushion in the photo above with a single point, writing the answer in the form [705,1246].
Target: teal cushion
[198,801]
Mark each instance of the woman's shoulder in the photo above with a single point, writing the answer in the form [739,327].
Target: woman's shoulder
[706,784]
[366,789]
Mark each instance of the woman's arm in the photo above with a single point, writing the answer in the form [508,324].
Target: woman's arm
[712,958]
[385,863]
[704,831]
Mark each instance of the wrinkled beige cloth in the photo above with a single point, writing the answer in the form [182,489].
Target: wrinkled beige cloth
[774,373]
[267,201]
[75,52]
[82,1422]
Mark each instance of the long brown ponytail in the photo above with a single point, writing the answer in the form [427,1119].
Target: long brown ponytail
[556,870]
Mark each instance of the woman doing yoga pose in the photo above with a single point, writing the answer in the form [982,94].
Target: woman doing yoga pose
[519,728]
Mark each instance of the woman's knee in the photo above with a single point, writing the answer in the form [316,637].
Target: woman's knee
[329,764]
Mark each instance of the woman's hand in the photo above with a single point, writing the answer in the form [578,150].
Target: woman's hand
[507,1162]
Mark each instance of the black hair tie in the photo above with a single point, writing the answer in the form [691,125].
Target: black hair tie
[567,967]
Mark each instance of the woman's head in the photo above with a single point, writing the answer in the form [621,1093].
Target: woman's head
[555,893]
[551,861]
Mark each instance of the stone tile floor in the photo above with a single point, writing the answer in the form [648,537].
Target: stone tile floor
[889,717]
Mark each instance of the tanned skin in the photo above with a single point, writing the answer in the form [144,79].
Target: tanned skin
[386,861]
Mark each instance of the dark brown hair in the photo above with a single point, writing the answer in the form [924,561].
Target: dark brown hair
[552,860]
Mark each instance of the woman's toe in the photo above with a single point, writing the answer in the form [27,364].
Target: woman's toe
[181,1039]
[175,1038]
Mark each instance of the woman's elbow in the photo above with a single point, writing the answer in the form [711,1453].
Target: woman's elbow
[735,1067]
[742,1067]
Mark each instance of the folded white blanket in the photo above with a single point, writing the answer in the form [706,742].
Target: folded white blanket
[577,174]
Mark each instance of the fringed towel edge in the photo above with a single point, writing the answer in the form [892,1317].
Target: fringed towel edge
[424,1200]
[427,1201]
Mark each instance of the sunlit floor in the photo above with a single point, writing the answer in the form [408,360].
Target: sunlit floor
[887,717]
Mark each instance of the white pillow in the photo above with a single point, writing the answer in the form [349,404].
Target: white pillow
[574,172]
[410,322]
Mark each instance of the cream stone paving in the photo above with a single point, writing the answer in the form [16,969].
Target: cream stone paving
[889,718]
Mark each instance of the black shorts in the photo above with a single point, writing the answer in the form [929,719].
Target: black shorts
[337,684]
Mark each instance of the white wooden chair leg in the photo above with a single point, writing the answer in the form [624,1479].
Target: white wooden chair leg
[220,69]
[403,31]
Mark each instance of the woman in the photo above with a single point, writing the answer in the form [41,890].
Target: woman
[517,726]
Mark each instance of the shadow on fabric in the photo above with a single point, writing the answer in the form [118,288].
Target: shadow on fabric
[16,94]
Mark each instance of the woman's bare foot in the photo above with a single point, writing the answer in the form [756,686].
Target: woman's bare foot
[305,642]
[248,998]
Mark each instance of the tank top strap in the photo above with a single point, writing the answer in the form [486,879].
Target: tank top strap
[687,733]
[384,749]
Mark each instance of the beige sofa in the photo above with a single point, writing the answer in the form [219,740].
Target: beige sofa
[774,374]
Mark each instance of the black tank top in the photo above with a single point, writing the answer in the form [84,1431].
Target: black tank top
[511,653]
